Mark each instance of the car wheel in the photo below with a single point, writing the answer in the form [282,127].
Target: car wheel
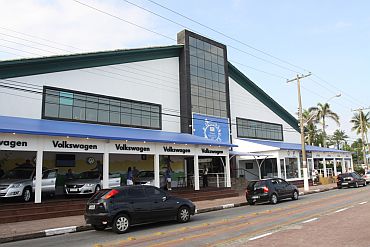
[295,195]
[121,224]
[183,214]
[356,185]
[26,195]
[97,188]
[250,202]
[273,199]
[99,227]
[339,187]
[365,184]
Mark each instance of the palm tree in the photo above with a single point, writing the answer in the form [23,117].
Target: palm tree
[365,119]
[356,120]
[310,129]
[339,137]
[321,112]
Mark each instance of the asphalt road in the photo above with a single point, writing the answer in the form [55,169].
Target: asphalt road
[326,216]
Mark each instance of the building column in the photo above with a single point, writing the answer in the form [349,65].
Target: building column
[227,172]
[335,167]
[106,170]
[324,167]
[156,171]
[38,177]
[278,166]
[343,164]
[196,172]
[351,164]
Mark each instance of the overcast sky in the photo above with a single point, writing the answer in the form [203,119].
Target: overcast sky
[331,39]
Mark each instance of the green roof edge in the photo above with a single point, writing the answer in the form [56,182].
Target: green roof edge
[43,65]
[257,92]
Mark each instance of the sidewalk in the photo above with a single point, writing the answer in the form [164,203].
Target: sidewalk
[47,227]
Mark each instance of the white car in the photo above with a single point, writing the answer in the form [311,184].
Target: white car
[20,182]
[367,177]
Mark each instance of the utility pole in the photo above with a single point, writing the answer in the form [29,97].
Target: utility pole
[304,158]
[360,113]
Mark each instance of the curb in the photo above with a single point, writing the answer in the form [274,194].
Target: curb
[71,229]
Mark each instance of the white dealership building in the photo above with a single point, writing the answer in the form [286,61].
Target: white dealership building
[184,105]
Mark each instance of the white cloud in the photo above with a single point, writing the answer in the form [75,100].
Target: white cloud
[68,22]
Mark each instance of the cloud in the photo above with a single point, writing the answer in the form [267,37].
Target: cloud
[68,22]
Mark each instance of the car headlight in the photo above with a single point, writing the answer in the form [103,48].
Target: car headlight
[16,185]
[89,185]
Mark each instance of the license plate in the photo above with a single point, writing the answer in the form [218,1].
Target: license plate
[73,190]
[255,197]
[91,207]
[344,183]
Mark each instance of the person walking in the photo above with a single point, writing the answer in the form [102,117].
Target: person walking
[205,177]
[129,177]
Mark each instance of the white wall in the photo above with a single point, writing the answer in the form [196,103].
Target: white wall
[155,81]
[245,105]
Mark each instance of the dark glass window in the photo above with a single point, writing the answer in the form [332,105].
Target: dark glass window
[63,104]
[248,128]
[208,88]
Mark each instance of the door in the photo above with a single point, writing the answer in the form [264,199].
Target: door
[141,206]
[162,207]
[285,188]
[48,181]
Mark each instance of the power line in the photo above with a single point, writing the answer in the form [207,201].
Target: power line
[227,36]
[119,18]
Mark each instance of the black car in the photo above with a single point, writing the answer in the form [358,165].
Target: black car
[270,190]
[350,179]
[122,207]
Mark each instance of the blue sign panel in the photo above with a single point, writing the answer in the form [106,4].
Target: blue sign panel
[212,128]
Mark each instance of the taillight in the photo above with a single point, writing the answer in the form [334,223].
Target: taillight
[265,189]
[111,194]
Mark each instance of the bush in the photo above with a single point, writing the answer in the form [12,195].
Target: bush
[359,170]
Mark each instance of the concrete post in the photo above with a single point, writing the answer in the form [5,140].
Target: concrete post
[106,170]
[196,172]
[156,171]
[351,164]
[38,177]
[299,167]
[335,167]
[324,167]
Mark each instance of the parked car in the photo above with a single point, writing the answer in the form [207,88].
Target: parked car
[89,182]
[270,190]
[122,207]
[350,179]
[147,178]
[367,177]
[20,182]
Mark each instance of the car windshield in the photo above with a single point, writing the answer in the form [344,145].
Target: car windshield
[145,174]
[368,172]
[19,174]
[89,175]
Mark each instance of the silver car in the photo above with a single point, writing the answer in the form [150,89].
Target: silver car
[20,182]
[89,182]
[147,178]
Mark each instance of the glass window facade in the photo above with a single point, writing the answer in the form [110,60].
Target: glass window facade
[63,104]
[248,128]
[291,165]
[207,78]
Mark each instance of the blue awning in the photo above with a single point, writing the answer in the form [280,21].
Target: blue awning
[293,146]
[84,130]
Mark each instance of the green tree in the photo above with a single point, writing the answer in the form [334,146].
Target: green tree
[356,121]
[339,138]
[321,113]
